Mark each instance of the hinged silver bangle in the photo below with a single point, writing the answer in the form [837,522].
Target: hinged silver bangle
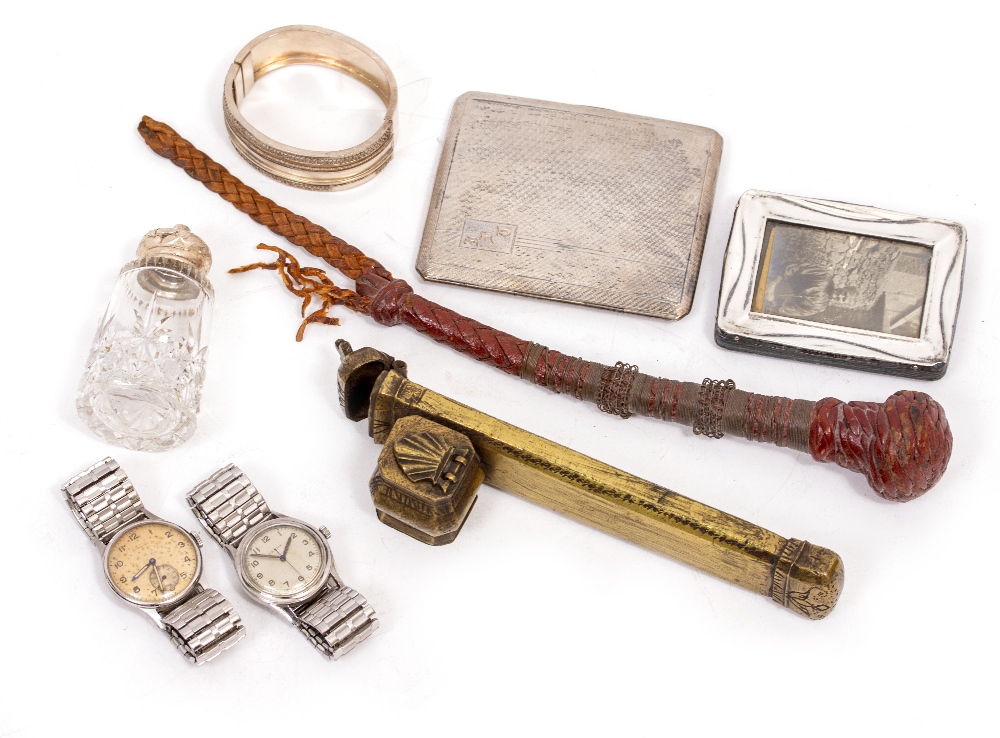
[311,170]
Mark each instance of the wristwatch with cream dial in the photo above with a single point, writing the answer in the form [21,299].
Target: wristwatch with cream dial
[283,563]
[152,564]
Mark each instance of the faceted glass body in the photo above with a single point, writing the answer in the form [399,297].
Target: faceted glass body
[142,385]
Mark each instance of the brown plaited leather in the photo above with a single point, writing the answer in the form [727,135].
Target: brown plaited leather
[315,239]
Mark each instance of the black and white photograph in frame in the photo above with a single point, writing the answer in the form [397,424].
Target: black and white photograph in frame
[846,285]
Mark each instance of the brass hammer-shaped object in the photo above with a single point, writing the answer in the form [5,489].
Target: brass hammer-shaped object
[796,574]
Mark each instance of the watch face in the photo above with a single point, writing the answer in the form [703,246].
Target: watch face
[284,559]
[152,563]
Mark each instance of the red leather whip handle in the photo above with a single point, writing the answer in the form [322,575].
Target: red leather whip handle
[902,446]
[395,302]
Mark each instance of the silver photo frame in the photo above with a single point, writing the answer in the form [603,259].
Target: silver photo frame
[846,285]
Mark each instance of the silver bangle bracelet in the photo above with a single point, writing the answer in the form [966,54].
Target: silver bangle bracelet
[311,170]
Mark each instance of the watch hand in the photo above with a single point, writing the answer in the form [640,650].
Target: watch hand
[282,557]
[293,567]
[159,579]
[266,556]
[139,573]
[287,544]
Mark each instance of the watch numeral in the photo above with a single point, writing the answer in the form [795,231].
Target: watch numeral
[132,536]
[118,564]
[254,563]
[122,549]
[260,575]
[180,544]
[294,535]
[135,589]
[122,580]
[312,553]
[301,578]
[305,541]
[187,558]
[286,582]
[184,575]
[266,539]
[170,534]
[271,582]
[309,567]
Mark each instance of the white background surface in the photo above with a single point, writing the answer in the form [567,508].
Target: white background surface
[530,623]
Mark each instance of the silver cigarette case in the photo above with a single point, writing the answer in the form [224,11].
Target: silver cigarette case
[571,203]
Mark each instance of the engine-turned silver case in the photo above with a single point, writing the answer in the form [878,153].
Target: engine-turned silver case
[571,203]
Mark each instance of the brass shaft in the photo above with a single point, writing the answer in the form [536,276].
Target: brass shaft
[794,573]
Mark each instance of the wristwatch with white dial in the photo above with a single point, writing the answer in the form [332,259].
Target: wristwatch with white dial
[283,562]
[152,564]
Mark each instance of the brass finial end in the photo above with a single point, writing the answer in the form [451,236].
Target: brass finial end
[807,579]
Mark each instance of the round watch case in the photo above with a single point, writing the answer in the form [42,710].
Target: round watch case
[179,595]
[322,578]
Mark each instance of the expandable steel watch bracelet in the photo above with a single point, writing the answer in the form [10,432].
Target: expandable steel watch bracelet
[200,621]
[301,581]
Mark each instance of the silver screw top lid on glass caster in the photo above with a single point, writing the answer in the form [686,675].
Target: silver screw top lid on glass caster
[142,385]
[173,252]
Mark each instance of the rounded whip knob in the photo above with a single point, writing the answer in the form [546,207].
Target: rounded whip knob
[902,445]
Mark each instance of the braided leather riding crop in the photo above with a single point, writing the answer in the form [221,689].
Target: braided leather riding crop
[902,445]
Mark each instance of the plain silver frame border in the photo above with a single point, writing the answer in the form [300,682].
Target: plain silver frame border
[946,239]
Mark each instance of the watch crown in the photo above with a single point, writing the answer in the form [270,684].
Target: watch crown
[325,531]
[197,539]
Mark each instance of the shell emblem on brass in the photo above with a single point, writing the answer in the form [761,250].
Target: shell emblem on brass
[424,457]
